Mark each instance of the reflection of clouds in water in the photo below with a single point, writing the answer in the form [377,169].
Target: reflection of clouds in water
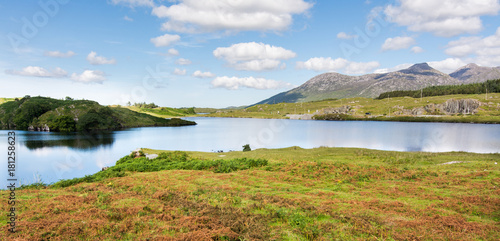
[104,159]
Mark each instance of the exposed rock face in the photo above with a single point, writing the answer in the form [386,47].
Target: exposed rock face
[451,106]
[45,127]
[335,85]
[339,110]
[465,106]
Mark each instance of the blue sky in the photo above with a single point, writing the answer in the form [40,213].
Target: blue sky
[219,53]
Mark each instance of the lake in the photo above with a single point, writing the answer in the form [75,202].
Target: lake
[55,156]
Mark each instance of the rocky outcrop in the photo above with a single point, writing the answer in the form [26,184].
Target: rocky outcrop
[464,106]
[44,127]
[450,107]
[346,109]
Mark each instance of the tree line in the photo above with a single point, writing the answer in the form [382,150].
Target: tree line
[490,86]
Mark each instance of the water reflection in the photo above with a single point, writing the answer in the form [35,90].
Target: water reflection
[72,140]
[58,156]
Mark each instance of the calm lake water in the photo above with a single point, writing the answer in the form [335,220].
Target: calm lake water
[54,156]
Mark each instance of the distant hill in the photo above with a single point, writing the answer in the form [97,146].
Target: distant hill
[47,114]
[418,76]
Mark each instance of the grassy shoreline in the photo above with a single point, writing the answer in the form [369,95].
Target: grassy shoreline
[298,194]
[379,110]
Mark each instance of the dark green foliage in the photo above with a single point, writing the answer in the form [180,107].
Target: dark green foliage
[100,118]
[166,161]
[247,147]
[63,123]
[492,86]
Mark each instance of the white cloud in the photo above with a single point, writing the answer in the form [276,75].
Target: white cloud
[234,83]
[179,71]
[448,65]
[173,52]
[59,54]
[442,18]
[483,51]
[99,60]
[253,56]
[343,35]
[252,51]
[214,15]
[199,74]
[165,40]
[257,65]
[417,49]
[397,43]
[36,71]
[395,68]
[134,3]
[339,64]
[89,76]
[127,18]
[183,61]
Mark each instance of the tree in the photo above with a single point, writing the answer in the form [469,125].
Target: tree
[247,147]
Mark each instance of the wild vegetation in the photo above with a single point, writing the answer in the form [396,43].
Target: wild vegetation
[43,113]
[389,109]
[298,194]
[490,86]
[164,112]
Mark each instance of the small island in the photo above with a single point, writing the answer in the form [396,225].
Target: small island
[69,115]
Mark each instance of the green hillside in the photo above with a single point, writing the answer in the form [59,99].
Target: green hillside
[43,113]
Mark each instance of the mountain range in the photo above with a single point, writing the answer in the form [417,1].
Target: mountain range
[418,76]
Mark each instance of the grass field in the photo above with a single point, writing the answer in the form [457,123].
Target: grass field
[299,194]
[3,100]
[384,110]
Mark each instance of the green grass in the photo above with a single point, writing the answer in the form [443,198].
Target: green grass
[3,100]
[380,110]
[300,194]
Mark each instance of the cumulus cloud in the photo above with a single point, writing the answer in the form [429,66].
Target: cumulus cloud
[183,61]
[343,35]
[253,56]
[59,54]
[165,40]
[99,60]
[448,65]
[234,83]
[397,43]
[179,71]
[127,18]
[337,65]
[134,3]
[395,68]
[442,18]
[417,49]
[190,16]
[35,71]
[89,76]
[483,51]
[201,75]
[173,52]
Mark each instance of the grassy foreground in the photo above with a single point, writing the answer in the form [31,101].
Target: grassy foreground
[297,194]
[380,110]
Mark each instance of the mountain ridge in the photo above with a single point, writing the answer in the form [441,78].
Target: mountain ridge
[335,85]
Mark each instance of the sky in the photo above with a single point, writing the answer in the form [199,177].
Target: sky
[219,53]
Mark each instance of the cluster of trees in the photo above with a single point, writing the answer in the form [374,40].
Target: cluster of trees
[490,86]
[144,105]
